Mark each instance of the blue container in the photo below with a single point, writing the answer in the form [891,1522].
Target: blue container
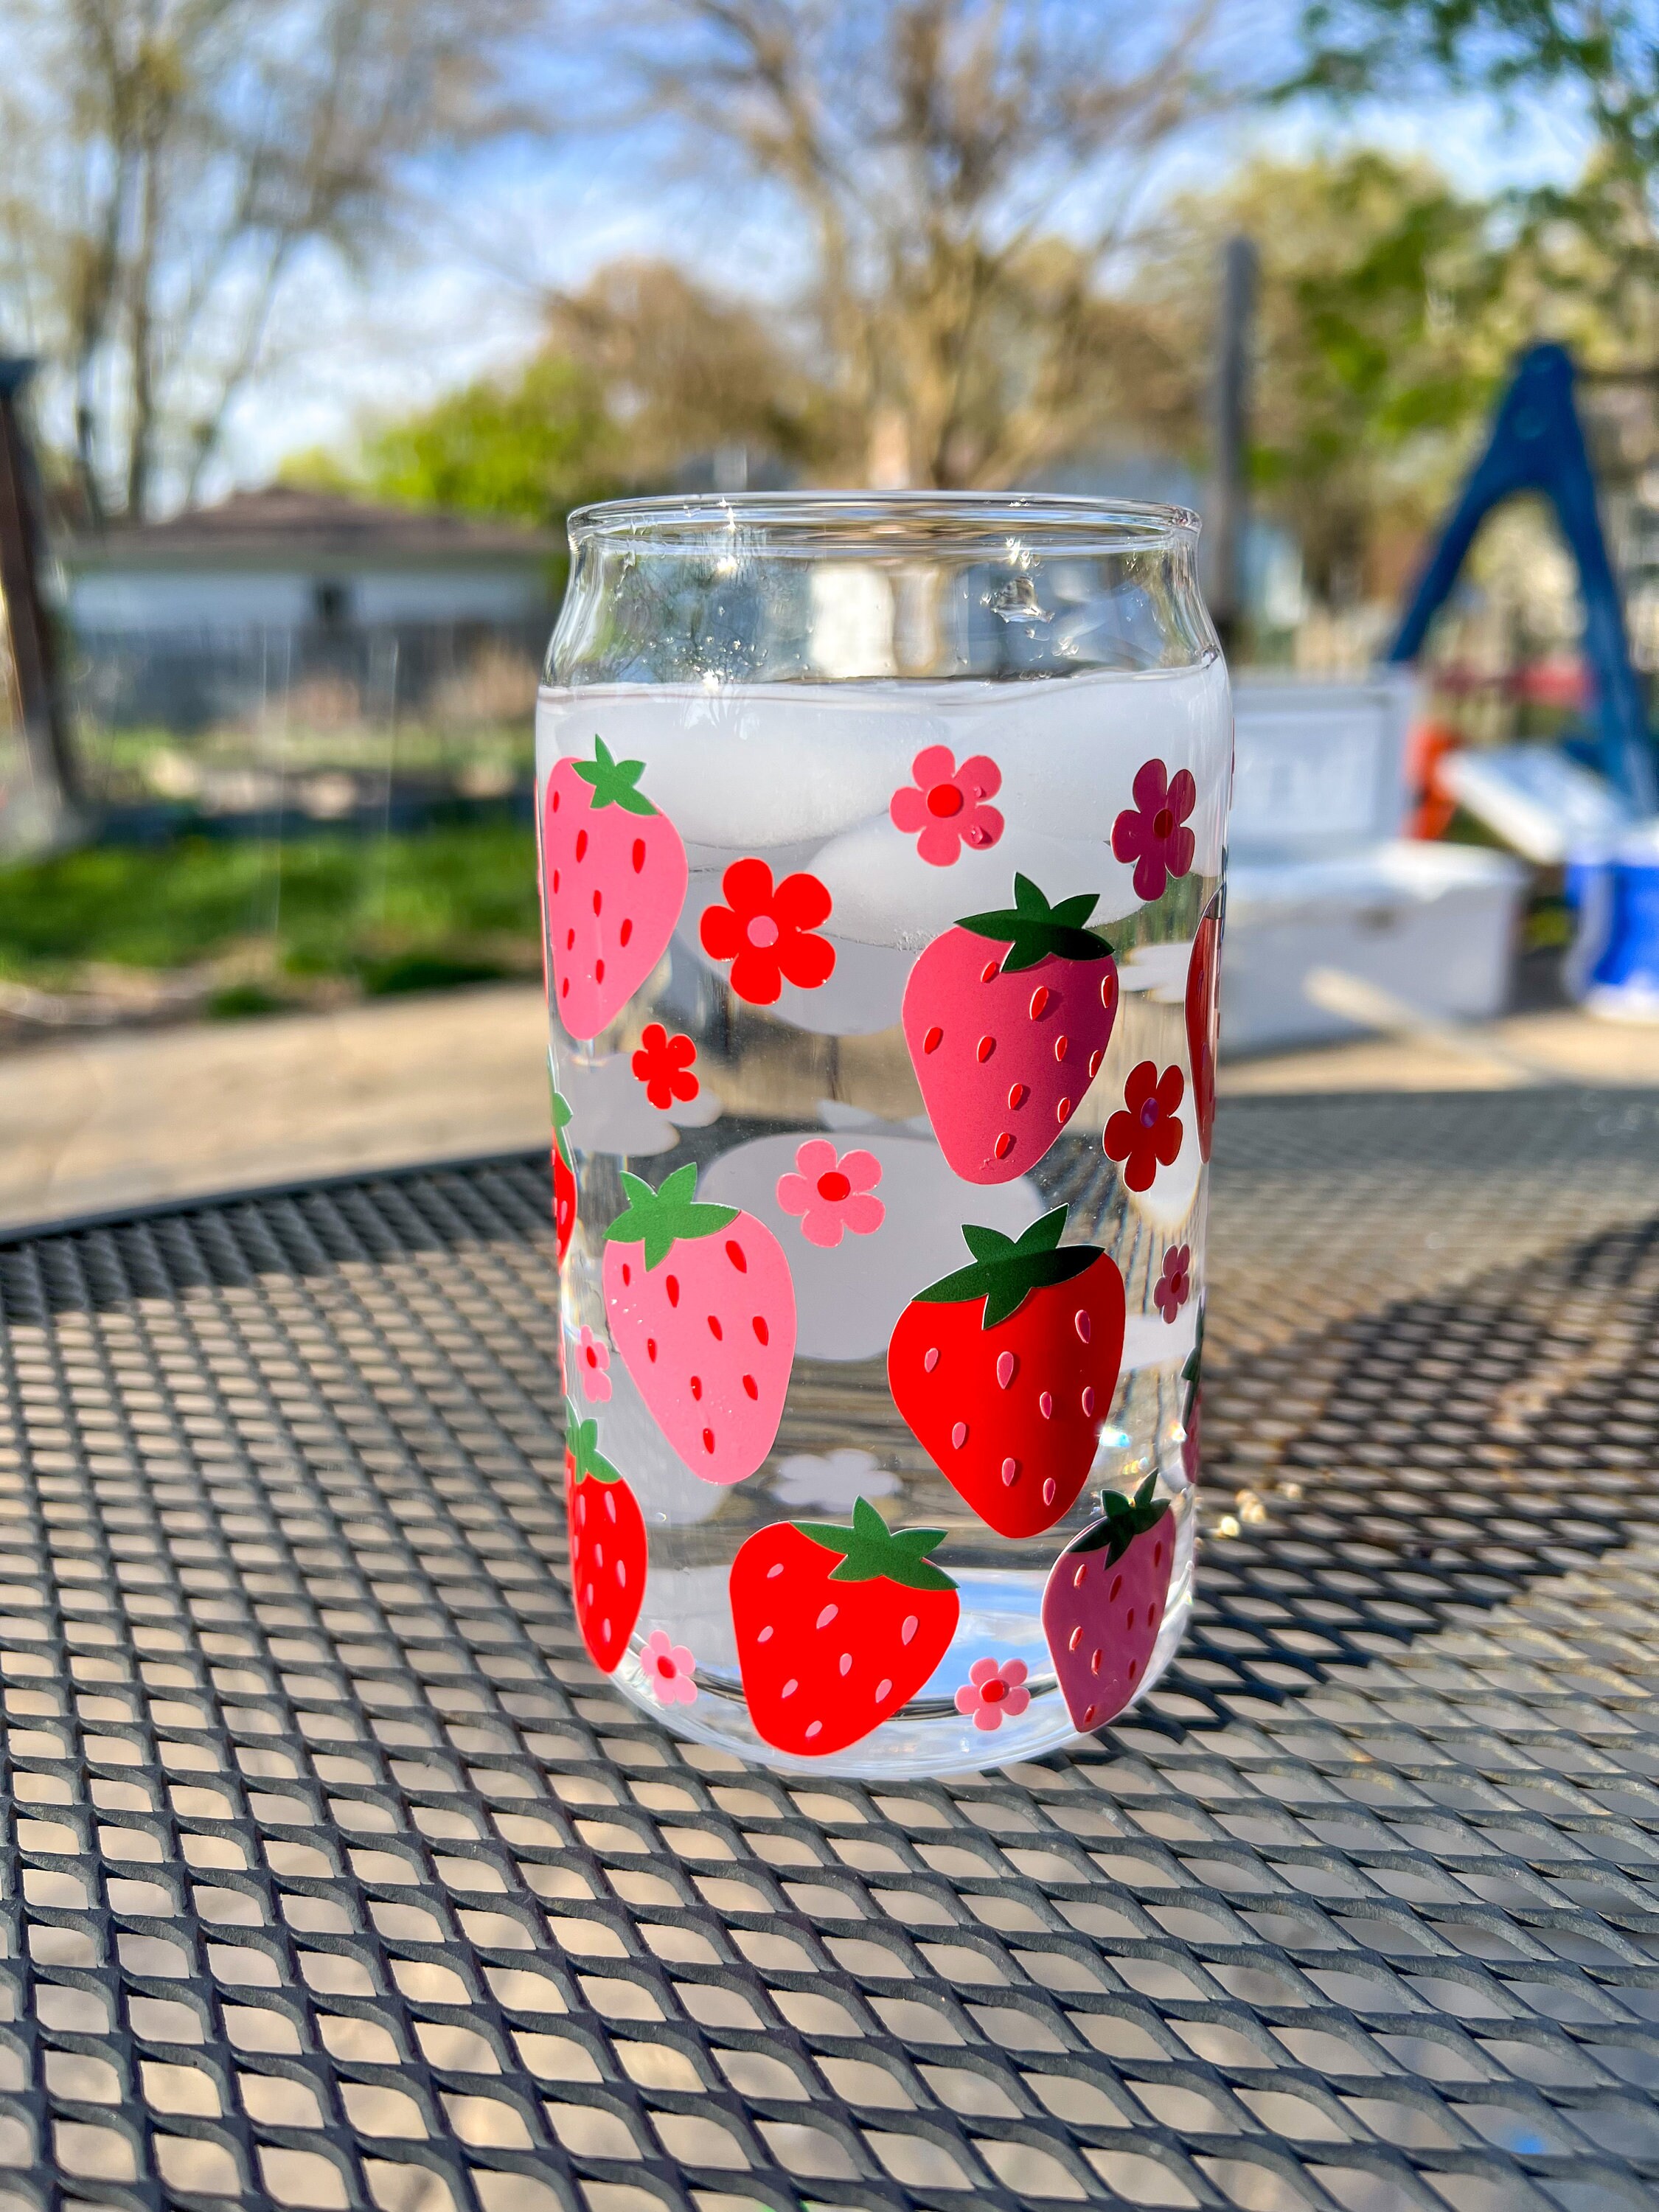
[1613,967]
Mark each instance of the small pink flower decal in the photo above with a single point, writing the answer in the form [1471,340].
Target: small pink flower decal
[594,1359]
[993,1687]
[1174,1285]
[663,1064]
[832,1194]
[946,804]
[668,1668]
[1153,832]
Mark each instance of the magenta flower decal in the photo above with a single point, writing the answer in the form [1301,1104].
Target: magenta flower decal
[946,803]
[832,1194]
[1153,832]
[1174,1285]
[994,1687]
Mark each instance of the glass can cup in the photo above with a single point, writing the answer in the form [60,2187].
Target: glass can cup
[882,840]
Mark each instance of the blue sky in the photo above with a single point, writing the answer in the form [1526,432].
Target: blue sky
[497,232]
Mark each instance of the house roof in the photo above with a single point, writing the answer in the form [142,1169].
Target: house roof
[285,526]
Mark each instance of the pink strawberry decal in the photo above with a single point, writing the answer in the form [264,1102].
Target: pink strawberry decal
[615,882]
[607,1544]
[1104,1601]
[702,1310]
[1007,1017]
[837,1627]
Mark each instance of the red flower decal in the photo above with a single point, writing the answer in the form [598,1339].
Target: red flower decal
[1146,1135]
[1174,1285]
[663,1064]
[767,932]
[1153,832]
[945,804]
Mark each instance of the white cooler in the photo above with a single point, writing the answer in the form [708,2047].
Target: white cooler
[1319,877]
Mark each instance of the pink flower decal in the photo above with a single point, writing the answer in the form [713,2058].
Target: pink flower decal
[1174,1285]
[1147,1134]
[1153,832]
[594,1360]
[769,931]
[832,1194]
[663,1064]
[668,1668]
[993,1687]
[946,804]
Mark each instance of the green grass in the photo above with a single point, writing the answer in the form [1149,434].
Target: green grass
[411,912]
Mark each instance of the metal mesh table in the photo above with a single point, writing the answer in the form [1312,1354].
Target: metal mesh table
[335,1876]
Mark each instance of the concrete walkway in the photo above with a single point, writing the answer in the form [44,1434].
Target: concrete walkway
[102,1122]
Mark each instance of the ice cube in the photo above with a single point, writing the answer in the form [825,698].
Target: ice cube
[611,1113]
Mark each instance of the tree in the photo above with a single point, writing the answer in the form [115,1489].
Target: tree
[961,171]
[1593,244]
[166,165]
[528,450]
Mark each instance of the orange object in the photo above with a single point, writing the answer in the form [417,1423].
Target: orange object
[1433,807]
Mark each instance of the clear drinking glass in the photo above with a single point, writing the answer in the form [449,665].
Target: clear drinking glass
[882,840]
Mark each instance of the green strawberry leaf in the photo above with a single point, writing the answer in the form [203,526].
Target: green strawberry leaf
[613,781]
[1033,930]
[659,1218]
[1125,1518]
[561,1122]
[583,1437]
[871,1551]
[1004,1273]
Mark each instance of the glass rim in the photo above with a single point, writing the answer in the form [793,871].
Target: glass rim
[1013,526]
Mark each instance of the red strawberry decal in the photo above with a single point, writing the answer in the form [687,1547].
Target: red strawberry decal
[1007,1017]
[564,1177]
[616,877]
[1192,1376]
[702,1309]
[1005,1371]
[837,1627]
[607,1544]
[1203,1019]
[1104,1602]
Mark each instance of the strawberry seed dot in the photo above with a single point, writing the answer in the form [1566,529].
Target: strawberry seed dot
[883,1687]
[1130,1622]
[828,1615]
[761,1330]
[1018,1094]
[846,1664]
[1095,1658]
[984,1049]
[555,879]
[1039,1002]
[933,1040]
[626,931]
[1095,1059]
[599,901]
[555,802]
[751,1389]
[581,843]
[709,1441]
[1134,1669]
[1082,1324]
[671,1286]
[696,1387]
[765,1636]
[714,1329]
[990,971]
[1009,1472]
[1089,1715]
[1048,1491]
[1062,1045]
[811,1729]
[1004,1145]
[1063,1112]
[651,1348]
[637,856]
[911,1625]
[598,971]
[1006,1364]
[1074,1639]
[930,1359]
[734,1254]
[1088,1402]
[570,940]
[772,1573]
[959,1434]
[1046,1405]
[1117,1584]
[789,1688]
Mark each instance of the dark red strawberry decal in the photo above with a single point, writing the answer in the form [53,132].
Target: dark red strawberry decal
[837,1627]
[1007,1017]
[1103,1603]
[607,1544]
[564,1177]
[616,877]
[701,1307]
[1203,1019]
[1005,1371]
